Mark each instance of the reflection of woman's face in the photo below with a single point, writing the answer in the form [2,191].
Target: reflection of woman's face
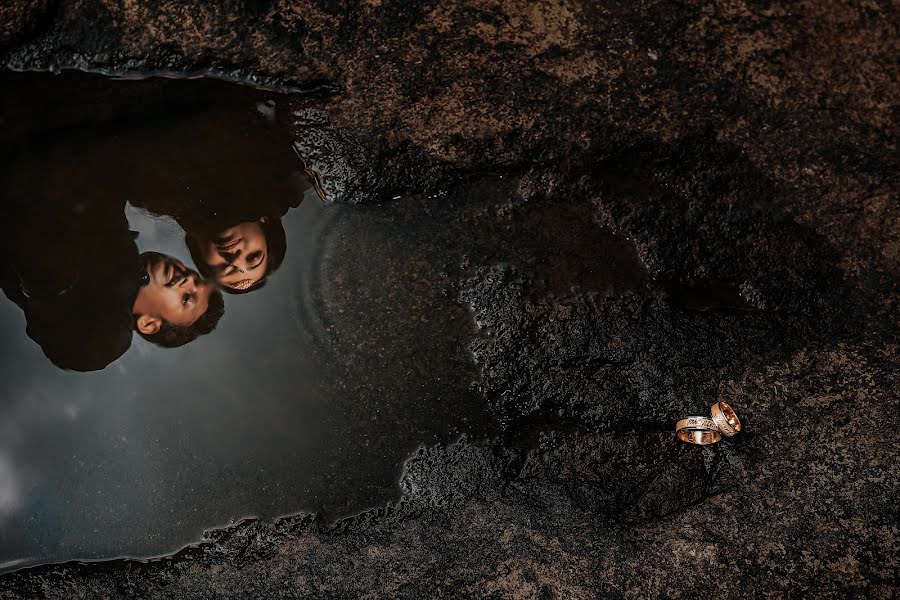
[237,256]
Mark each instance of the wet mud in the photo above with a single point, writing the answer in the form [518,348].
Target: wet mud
[683,204]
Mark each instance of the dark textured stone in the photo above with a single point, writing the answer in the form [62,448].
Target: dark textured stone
[739,144]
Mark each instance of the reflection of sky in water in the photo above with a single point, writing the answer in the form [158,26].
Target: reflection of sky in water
[157,234]
[307,397]
[10,489]
[160,432]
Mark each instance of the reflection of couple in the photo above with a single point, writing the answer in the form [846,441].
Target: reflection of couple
[173,305]
[235,251]
[71,263]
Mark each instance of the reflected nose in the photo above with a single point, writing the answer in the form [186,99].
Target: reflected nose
[230,257]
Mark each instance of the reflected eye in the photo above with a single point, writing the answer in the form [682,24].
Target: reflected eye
[185,298]
[254,257]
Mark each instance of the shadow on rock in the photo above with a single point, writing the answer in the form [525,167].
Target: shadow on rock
[588,381]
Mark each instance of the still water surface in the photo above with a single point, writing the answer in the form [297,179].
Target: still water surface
[311,388]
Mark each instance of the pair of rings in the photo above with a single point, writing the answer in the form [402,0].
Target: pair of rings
[704,431]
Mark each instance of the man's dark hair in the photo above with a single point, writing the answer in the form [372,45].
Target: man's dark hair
[173,336]
[276,244]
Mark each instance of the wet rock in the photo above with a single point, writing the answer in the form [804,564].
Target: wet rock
[337,165]
[714,217]
[440,477]
[18,20]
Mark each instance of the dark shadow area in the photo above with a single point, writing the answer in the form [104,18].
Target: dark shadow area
[588,383]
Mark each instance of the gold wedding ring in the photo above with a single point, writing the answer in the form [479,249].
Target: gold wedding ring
[725,419]
[697,430]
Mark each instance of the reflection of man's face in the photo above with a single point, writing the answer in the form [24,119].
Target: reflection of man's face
[238,256]
[174,294]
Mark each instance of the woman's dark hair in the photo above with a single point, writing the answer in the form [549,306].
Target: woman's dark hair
[276,244]
[173,336]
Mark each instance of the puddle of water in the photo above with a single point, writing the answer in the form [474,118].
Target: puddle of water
[309,391]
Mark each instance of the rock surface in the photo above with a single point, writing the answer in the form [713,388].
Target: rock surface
[738,144]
